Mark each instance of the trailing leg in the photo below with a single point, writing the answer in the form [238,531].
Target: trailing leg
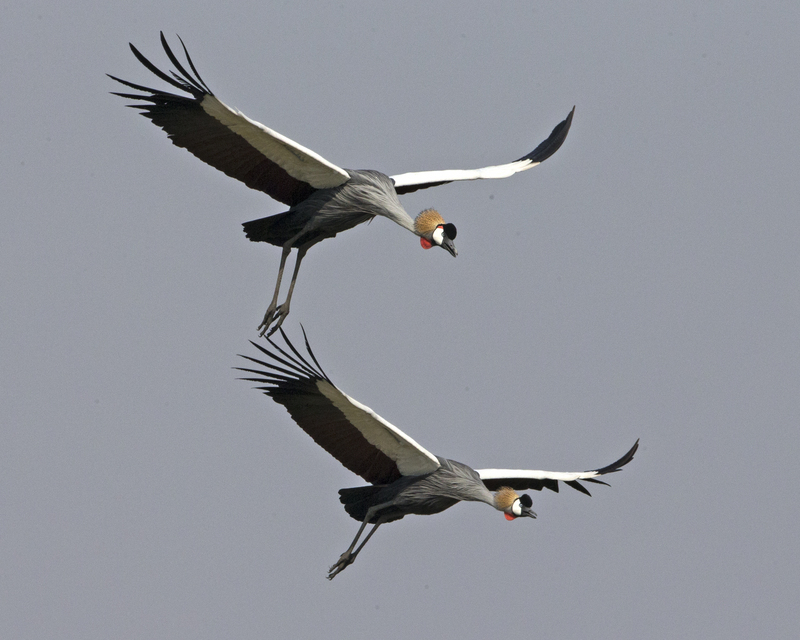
[349,556]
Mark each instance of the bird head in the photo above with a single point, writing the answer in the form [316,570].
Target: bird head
[512,504]
[432,230]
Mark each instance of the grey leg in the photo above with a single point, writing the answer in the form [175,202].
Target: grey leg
[349,556]
[287,248]
[283,310]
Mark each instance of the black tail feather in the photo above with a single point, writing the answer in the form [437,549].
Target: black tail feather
[268,229]
[358,500]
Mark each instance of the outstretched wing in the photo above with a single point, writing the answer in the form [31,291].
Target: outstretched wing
[227,139]
[351,432]
[408,182]
[520,479]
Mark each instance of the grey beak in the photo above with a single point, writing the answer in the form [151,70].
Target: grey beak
[447,243]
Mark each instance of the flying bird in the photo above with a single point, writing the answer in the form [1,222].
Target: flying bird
[405,478]
[323,198]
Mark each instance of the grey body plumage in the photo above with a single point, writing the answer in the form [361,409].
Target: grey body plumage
[451,483]
[327,212]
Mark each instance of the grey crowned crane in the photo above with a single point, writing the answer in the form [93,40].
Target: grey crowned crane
[323,199]
[404,477]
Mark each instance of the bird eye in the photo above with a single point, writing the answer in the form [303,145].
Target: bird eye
[516,508]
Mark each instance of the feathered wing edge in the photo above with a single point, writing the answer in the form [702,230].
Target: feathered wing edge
[185,81]
[408,182]
[351,432]
[227,139]
[521,479]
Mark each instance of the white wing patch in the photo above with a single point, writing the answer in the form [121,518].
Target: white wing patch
[299,162]
[410,457]
[452,175]
[564,476]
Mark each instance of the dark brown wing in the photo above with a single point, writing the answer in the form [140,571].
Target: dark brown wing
[352,433]
[227,139]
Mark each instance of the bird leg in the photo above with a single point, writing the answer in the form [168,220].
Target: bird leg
[277,313]
[271,309]
[349,556]
[283,310]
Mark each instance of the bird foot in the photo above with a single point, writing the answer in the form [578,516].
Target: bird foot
[274,315]
[344,560]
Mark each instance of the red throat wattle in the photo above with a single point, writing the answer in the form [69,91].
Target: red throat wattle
[426,244]
[509,517]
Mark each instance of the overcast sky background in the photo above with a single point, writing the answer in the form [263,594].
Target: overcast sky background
[641,283]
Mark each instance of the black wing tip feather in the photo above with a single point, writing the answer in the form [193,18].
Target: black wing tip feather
[311,353]
[183,80]
[577,485]
[553,142]
[298,360]
[617,465]
[289,371]
[611,468]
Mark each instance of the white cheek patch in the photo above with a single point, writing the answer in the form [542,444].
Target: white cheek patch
[516,508]
[438,236]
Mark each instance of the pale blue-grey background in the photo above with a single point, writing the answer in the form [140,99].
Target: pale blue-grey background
[643,282]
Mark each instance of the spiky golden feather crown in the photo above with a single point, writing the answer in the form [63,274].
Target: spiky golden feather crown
[426,222]
[504,498]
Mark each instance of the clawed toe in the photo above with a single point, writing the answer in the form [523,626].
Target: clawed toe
[344,560]
[276,316]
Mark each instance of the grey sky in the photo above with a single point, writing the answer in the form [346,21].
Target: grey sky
[643,282]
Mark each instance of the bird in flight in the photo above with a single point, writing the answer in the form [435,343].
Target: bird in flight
[405,478]
[323,198]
